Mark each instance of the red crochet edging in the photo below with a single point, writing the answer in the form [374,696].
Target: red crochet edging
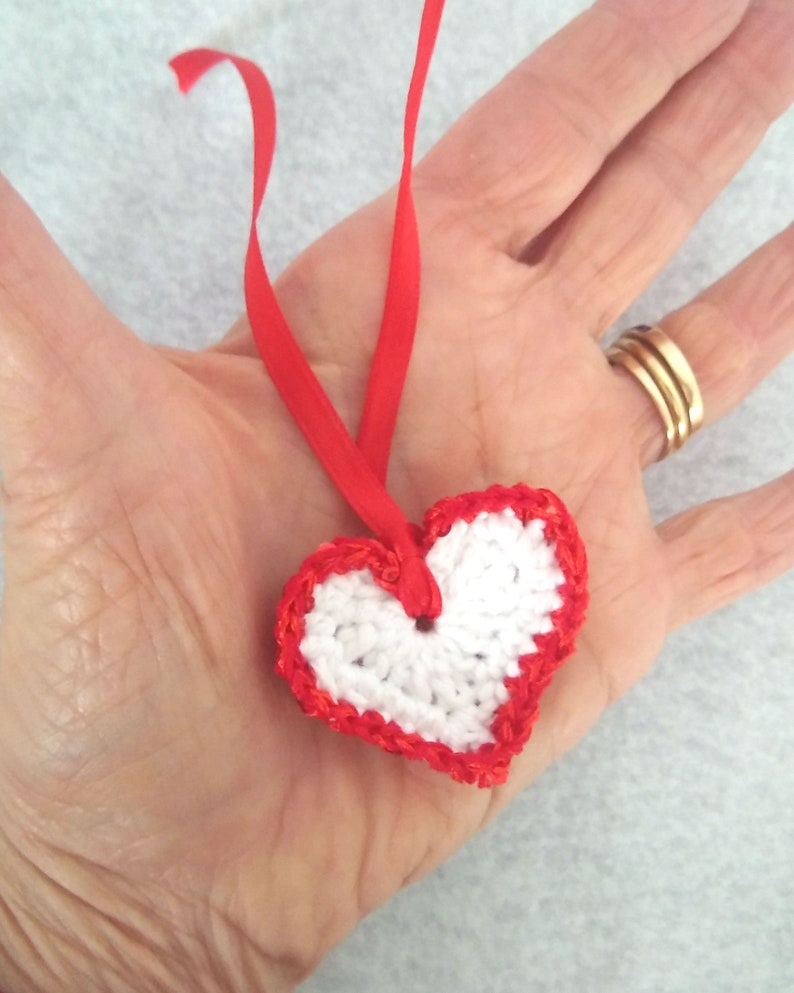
[513,721]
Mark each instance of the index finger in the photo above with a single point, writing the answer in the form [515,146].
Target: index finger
[525,151]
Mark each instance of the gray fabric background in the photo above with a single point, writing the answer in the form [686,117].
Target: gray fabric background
[659,855]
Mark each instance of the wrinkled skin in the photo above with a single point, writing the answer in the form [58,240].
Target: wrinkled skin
[170,820]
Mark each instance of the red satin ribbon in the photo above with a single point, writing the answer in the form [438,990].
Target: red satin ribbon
[398,326]
[358,471]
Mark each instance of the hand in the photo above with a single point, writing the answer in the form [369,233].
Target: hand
[170,820]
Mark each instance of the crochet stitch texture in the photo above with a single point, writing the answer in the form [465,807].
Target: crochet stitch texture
[499,582]
[462,692]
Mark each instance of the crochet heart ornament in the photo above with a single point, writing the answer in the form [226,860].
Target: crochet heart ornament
[433,642]
[460,691]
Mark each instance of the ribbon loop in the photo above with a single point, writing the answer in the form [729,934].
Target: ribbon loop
[358,472]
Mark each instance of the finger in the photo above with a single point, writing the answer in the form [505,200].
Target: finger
[66,381]
[733,335]
[619,235]
[723,549]
[527,149]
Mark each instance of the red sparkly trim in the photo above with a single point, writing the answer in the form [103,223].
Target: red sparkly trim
[513,721]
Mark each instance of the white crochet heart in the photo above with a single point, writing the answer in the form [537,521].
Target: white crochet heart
[499,581]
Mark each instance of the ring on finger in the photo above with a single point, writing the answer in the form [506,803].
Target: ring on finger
[660,367]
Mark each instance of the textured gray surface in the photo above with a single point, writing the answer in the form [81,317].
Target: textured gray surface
[659,855]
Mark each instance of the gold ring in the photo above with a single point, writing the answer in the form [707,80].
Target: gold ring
[659,366]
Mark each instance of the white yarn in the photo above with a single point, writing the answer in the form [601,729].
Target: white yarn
[499,581]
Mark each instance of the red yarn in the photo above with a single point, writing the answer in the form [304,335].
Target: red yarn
[513,720]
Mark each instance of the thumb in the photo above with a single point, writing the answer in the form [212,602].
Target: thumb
[70,373]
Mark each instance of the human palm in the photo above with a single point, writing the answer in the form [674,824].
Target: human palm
[165,802]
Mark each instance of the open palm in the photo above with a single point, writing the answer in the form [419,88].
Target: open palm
[169,817]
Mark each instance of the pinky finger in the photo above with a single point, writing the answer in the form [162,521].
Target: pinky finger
[723,549]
